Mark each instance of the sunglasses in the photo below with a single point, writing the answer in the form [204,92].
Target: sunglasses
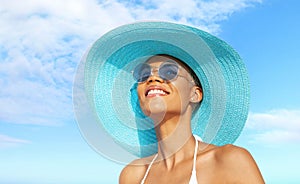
[166,71]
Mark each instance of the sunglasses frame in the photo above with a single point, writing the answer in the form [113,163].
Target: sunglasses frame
[157,69]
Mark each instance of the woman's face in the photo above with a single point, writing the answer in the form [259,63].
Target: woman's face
[160,98]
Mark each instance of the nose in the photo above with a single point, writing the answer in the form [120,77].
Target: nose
[154,78]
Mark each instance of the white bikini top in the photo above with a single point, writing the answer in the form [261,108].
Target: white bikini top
[193,179]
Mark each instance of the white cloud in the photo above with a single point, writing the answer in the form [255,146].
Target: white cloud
[279,126]
[204,14]
[6,141]
[41,42]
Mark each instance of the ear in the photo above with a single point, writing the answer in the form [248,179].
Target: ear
[196,94]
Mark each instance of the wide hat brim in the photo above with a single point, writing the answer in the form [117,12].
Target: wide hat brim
[105,99]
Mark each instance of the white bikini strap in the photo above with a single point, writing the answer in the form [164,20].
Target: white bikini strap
[195,155]
[148,169]
[194,160]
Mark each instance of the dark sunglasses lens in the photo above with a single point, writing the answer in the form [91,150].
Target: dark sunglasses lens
[168,71]
[142,72]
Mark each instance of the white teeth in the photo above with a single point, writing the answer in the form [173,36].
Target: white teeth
[156,91]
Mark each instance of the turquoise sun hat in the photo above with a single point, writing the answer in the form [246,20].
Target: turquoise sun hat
[105,98]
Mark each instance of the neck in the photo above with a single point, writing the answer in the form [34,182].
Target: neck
[175,139]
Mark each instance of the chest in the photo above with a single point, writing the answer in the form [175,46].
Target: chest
[206,172]
[158,173]
[175,176]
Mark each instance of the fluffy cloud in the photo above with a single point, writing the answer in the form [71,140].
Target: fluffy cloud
[204,14]
[41,43]
[275,127]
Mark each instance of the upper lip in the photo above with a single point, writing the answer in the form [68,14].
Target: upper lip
[157,88]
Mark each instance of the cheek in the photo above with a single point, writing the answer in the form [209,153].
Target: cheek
[140,92]
[183,90]
[141,95]
[183,96]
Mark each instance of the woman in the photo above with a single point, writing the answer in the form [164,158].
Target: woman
[137,96]
[170,104]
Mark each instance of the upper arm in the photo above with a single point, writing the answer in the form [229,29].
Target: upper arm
[125,176]
[131,174]
[243,167]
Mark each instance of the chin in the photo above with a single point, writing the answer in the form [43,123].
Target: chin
[156,106]
[150,112]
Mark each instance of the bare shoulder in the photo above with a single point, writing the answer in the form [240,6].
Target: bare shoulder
[234,156]
[134,172]
[230,152]
[238,164]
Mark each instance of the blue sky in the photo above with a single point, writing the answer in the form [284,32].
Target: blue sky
[41,43]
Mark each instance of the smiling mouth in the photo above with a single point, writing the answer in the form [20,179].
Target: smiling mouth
[156,92]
